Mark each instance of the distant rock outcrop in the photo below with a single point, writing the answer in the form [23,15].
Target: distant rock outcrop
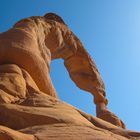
[29,106]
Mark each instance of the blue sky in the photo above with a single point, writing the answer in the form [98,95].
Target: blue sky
[110,31]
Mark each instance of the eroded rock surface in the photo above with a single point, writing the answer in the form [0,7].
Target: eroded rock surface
[29,106]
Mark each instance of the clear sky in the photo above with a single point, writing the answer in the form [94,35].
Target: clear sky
[110,31]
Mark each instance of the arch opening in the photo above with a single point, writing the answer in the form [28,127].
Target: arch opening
[67,90]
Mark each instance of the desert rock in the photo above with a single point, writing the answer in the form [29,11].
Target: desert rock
[29,106]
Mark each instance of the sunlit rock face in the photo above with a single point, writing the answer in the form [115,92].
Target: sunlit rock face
[29,106]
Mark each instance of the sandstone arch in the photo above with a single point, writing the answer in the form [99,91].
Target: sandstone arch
[27,95]
[33,42]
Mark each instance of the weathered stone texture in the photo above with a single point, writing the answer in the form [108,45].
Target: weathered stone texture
[29,106]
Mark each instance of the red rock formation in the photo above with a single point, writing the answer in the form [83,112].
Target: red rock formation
[29,107]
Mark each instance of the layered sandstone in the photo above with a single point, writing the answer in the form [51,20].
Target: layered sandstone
[29,106]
